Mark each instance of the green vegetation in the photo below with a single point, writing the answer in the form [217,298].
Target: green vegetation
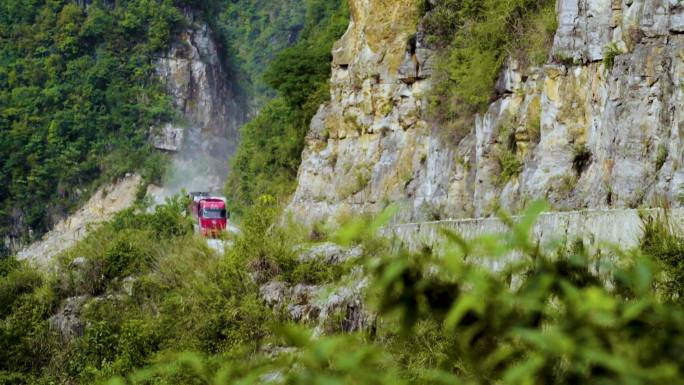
[510,165]
[442,317]
[183,298]
[153,304]
[567,183]
[271,144]
[475,38]
[77,99]
[661,157]
[506,151]
[667,248]
[257,30]
[533,124]
[149,288]
[581,158]
[610,52]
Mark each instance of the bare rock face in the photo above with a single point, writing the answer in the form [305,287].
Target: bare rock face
[367,143]
[583,131]
[608,135]
[587,27]
[101,207]
[202,89]
[167,138]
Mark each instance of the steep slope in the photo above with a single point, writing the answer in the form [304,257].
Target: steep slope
[101,207]
[208,111]
[271,143]
[196,75]
[596,127]
[257,30]
[78,94]
[364,141]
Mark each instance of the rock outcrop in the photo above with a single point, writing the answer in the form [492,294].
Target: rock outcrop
[67,321]
[328,308]
[365,145]
[101,207]
[598,127]
[200,83]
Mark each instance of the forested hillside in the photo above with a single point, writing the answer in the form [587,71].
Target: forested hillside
[269,154]
[84,85]
[79,92]
[77,99]
[255,31]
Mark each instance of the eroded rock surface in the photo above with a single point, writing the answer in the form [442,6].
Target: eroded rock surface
[201,85]
[101,207]
[327,308]
[580,132]
[67,321]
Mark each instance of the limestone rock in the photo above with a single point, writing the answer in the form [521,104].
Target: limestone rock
[587,27]
[167,138]
[377,140]
[198,81]
[128,285]
[580,134]
[201,86]
[583,29]
[327,308]
[274,293]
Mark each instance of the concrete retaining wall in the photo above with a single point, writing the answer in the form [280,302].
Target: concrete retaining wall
[600,230]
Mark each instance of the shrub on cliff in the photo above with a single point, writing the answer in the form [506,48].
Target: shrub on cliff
[664,243]
[26,343]
[475,38]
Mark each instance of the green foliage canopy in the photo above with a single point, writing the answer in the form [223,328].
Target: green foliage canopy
[475,38]
[77,98]
[256,30]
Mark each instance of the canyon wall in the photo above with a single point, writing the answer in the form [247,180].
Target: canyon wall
[199,80]
[597,127]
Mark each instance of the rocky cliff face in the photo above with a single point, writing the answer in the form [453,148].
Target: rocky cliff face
[366,146]
[597,127]
[200,83]
[101,207]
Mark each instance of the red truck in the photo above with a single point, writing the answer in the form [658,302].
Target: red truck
[210,213]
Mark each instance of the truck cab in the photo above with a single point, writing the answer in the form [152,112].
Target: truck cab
[210,213]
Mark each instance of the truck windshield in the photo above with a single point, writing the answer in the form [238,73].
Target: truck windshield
[214,213]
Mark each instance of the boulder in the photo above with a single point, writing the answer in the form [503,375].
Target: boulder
[67,320]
